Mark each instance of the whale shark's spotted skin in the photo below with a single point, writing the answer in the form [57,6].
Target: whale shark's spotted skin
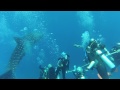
[19,53]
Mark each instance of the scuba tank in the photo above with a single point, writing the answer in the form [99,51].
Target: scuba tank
[105,59]
[91,64]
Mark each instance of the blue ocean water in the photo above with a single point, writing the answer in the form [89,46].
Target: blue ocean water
[62,30]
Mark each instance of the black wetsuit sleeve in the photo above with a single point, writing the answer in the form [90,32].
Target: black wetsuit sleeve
[117,47]
[59,62]
[68,62]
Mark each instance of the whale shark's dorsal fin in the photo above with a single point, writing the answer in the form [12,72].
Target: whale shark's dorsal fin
[18,40]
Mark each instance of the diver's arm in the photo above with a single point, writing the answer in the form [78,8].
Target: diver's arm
[112,58]
[67,62]
[108,53]
[118,51]
[69,71]
[66,57]
[72,70]
[59,65]
[78,46]
[114,52]
[67,66]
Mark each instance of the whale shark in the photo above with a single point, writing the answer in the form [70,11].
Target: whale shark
[19,52]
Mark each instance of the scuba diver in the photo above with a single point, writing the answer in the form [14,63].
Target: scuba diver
[51,72]
[115,57]
[43,72]
[78,72]
[63,64]
[96,54]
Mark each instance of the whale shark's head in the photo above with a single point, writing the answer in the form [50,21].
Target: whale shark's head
[33,36]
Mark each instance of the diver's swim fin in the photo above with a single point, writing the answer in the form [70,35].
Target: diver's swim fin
[109,74]
[99,76]
[116,70]
[7,75]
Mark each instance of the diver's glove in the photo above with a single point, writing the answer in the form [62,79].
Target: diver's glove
[78,46]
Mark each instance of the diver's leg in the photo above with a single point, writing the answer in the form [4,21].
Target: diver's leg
[113,70]
[63,72]
[102,71]
[57,71]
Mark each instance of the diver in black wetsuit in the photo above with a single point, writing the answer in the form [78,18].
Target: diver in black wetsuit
[43,72]
[94,59]
[51,72]
[78,72]
[63,65]
[115,54]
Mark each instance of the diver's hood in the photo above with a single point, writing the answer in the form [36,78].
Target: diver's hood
[63,54]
